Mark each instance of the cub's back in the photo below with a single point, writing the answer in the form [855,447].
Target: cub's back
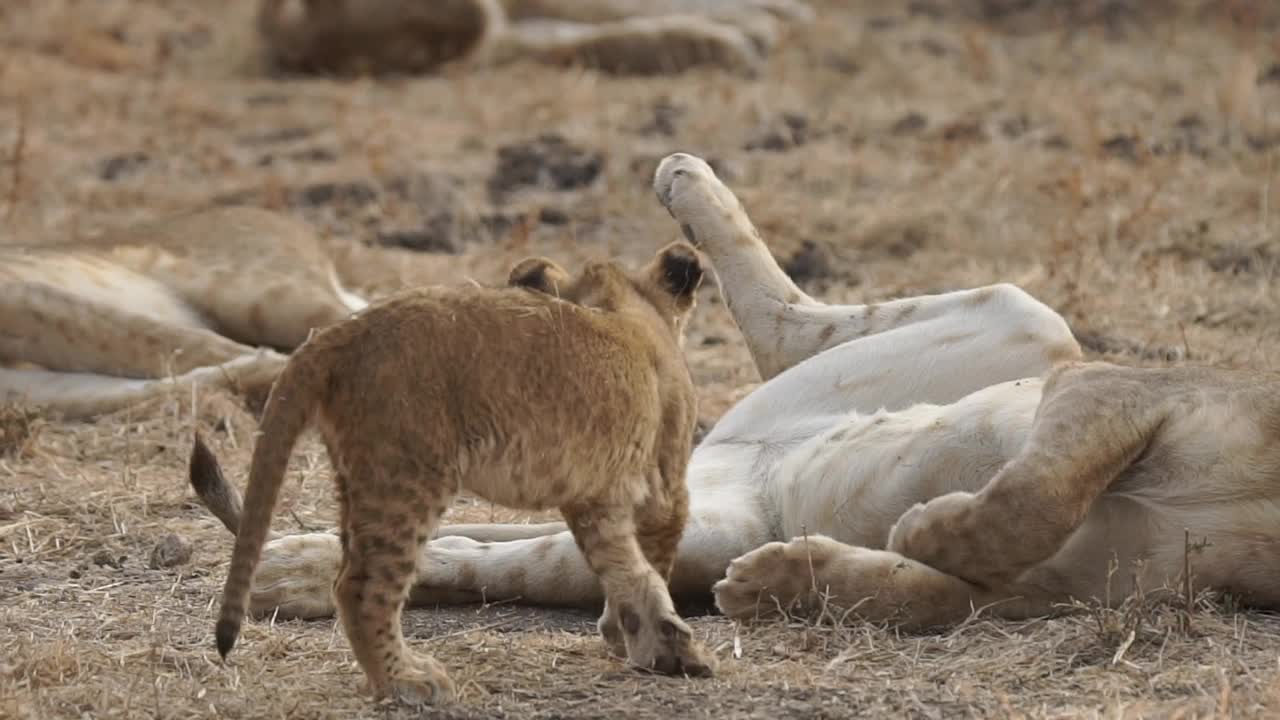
[500,369]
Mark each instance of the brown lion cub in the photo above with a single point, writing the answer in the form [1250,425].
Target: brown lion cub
[560,392]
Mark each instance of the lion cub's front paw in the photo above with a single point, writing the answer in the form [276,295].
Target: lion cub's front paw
[611,631]
[775,577]
[675,652]
[425,683]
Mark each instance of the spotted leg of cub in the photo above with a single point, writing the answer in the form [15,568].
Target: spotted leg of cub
[638,603]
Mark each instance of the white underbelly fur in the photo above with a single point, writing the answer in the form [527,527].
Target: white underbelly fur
[853,481]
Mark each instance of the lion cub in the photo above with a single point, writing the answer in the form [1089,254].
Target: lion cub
[565,392]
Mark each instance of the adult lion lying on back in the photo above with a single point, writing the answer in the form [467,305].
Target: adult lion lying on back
[911,460]
[622,36]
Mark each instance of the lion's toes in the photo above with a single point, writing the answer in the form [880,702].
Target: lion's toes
[756,584]
[774,577]
[688,187]
[295,577]
[678,653]
[934,533]
[611,631]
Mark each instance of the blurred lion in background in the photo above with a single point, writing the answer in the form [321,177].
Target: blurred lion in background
[643,37]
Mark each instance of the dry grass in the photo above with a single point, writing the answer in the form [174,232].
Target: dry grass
[1120,166]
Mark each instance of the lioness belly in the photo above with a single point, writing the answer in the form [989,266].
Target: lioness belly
[853,481]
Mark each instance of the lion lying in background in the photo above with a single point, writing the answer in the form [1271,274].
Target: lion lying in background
[618,36]
[210,298]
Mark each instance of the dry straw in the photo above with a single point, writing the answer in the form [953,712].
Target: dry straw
[1117,159]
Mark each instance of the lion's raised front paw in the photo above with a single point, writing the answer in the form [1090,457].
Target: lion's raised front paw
[688,188]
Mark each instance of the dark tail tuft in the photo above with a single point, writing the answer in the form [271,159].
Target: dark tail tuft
[211,487]
[227,631]
[205,474]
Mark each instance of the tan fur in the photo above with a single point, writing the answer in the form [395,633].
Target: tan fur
[578,400]
[622,36]
[91,326]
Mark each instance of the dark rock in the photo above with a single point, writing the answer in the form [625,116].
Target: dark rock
[548,162]
[664,119]
[171,551]
[553,216]
[934,47]
[267,100]
[912,122]
[794,132]
[330,193]
[277,136]
[963,131]
[118,166]
[1125,147]
[842,64]
[104,558]
[924,8]
[1015,127]
[813,261]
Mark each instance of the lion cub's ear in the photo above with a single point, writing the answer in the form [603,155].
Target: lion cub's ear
[679,271]
[538,273]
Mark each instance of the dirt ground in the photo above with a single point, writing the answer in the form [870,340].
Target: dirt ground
[1116,159]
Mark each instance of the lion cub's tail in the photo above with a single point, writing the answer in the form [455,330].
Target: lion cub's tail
[289,409]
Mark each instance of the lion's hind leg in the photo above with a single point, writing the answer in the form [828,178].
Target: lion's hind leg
[62,331]
[1091,425]
[74,396]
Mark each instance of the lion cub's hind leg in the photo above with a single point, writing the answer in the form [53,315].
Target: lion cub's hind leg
[386,516]
[638,606]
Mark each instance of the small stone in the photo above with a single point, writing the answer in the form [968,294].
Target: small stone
[120,166]
[912,122]
[104,558]
[812,261]
[171,551]
[553,216]
[1121,146]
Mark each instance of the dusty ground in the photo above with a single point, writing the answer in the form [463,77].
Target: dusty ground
[1118,163]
